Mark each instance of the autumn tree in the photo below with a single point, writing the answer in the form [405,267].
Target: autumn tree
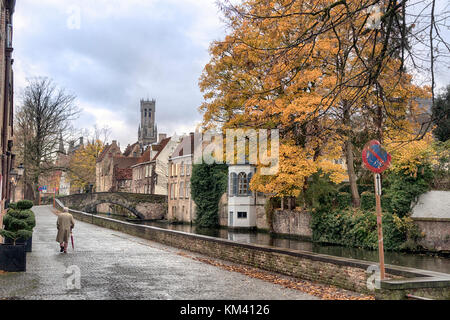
[82,164]
[45,114]
[322,72]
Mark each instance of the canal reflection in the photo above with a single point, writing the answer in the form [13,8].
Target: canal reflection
[419,261]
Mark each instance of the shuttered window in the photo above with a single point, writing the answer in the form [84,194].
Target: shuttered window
[233,184]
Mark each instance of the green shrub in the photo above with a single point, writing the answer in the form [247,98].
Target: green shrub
[343,200]
[367,200]
[18,224]
[365,188]
[344,187]
[321,193]
[405,188]
[24,204]
[358,228]
[386,203]
[12,205]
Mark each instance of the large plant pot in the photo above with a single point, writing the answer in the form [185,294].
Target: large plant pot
[13,258]
[28,243]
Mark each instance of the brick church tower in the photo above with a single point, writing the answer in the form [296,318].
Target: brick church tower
[148,132]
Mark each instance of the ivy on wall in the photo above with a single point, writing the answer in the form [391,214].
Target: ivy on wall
[208,184]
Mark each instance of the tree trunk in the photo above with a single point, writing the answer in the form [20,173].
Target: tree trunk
[349,158]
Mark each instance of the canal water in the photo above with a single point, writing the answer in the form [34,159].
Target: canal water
[413,260]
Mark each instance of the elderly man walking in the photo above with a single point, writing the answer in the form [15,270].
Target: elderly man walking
[65,225]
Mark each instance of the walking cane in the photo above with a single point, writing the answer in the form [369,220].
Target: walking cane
[71,238]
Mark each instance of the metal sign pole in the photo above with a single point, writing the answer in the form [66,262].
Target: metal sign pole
[377,181]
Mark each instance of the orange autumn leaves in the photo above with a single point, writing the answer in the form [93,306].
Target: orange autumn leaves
[296,66]
[82,164]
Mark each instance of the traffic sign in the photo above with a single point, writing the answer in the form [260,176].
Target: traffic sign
[375,157]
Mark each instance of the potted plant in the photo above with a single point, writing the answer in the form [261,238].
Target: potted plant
[19,224]
[23,206]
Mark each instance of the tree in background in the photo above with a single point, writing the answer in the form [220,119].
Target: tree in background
[45,114]
[441,112]
[208,184]
[82,164]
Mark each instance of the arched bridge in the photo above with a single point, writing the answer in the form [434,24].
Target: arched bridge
[144,206]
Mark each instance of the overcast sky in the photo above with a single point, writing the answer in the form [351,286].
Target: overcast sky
[116,52]
[121,51]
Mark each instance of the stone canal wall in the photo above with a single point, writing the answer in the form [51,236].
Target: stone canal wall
[345,273]
[293,223]
[436,233]
[431,214]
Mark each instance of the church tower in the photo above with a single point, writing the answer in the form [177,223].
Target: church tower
[148,132]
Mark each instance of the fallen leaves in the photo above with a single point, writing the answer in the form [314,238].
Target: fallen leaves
[326,292]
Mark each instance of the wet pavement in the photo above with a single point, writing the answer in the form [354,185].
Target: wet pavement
[116,266]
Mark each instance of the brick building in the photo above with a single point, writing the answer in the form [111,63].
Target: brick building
[181,207]
[113,169]
[150,174]
[6,102]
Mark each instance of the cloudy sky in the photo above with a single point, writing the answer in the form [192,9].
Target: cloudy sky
[112,53]
[116,52]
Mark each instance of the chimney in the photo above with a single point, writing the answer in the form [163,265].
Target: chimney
[161,137]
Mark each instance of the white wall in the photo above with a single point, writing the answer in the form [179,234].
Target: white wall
[433,204]
[241,203]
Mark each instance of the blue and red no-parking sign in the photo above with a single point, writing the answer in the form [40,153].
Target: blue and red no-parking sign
[375,157]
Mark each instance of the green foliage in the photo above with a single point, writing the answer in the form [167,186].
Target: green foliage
[321,193]
[362,187]
[343,200]
[12,205]
[358,228]
[440,114]
[367,200]
[18,224]
[405,188]
[335,222]
[441,170]
[208,184]
[24,204]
